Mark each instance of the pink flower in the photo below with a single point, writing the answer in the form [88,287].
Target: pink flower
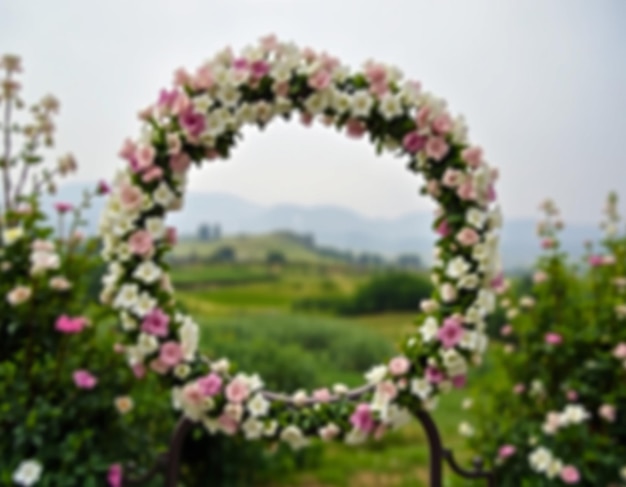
[505,451]
[570,475]
[519,388]
[281,89]
[608,412]
[467,237]
[596,260]
[433,188]
[182,77]
[139,371]
[436,148]
[65,324]
[443,229]
[619,352]
[459,381]
[362,418]
[442,124]
[451,178]
[434,375]
[192,394]
[210,385]
[451,332]
[171,353]
[131,196]
[572,395]
[170,236]
[174,145]
[413,142]
[128,150]
[539,277]
[466,191]
[180,162]
[228,424]
[103,187]
[158,366]
[259,68]
[156,323]
[237,391]
[144,157]
[387,390]
[192,123]
[376,75]
[167,99]
[140,243]
[321,395]
[355,128]
[553,338]
[320,80]
[473,156]
[84,380]
[153,173]
[203,79]
[306,119]
[399,365]
[114,475]
[63,207]
[506,330]
[548,243]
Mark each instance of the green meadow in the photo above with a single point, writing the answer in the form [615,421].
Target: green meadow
[248,314]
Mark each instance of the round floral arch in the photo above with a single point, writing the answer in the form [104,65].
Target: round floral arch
[199,119]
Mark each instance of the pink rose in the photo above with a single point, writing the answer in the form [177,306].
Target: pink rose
[171,353]
[144,157]
[228,424]
[203,79]
[237,391]
[413,142]
[139,371]
[158,366]
[519,388]
[65,324]
[619,352]
[170,236]
[608,412]
[442,124]
[436,148]
[459,381]
[473,156]
[140,243]
[466,191]
[399,365]
[63,207]
[451,178]
[570,475]
[595,260]
[362,418]
[114,475]
[131,196]
[434,375]
[210,385]
[320,80]
[192,123]
[387,390]
[180,162]
[128,150]
[505,451]
[84,380]
[152,174]
[506,330]
[553,338]
[572,395]
[259,68]
[451,332]
[539,277]
[443,229]
[548,243]
[355,128]
[156,323]
[321,395]
[103,187]
[467,237]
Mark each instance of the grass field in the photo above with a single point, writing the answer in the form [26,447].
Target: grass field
[246,315]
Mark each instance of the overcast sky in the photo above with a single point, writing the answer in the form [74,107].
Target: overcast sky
[541,83]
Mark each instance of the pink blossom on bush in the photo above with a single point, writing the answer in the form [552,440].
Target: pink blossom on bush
[63,207]
[570,474]
[131,196]
[170,236]
[159,366]
[103,187]
[210,385]
[595,260]
[572,395]
[506,451]
[436,148]
[442,124]
[506,330]
[467,237]
[179,163]
[321,395]
[553,338]
[399,365]
[459,381]
[192,123]
[619,352]
[451,333]
[473,156]
[443,229]
[114,475]
[144,157]
[139,371]
[355,128]
[434,375]
[320,80]
[228,424]
[519,388]
[153,173]
[548,243]
[171,353]
[362,418]
[65,324]
[608,412]
[413,142]
[140,243]
[539,277]
[84,380]
[237,391]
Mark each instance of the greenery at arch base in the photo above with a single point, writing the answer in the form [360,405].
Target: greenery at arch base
[200,119]
[555,412]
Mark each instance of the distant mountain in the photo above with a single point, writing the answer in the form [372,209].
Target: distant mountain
[337,227]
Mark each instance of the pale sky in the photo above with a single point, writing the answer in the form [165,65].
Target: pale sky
[541,83]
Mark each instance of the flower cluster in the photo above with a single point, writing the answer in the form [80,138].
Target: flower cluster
[561,416]
[200,118]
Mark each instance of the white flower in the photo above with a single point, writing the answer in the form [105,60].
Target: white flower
[292,435]
[469,281]
[147,343]
[487,300]
[329,431]
[540,459]
[19,295]
[189,336]
[234,411]
[552,423]
[220,366]
[554,468]
[341,389]
[398,416]
[299,398]
[147,272]
[466,429]
[123,404]
[622,473]
[182,371]
[202,103]
[163,195]
[44,260]
[127,296]
[355,437]
[536,387]
[134,355]
[421,388]
[177,398]
[475,218]
[362,103]
[28,473]
[454,361]
[270,428]
[342,102]
[144,304]
[258,406]
[448,292]
[429,329]
[12,235]
[376,374]
[390,106]
[429,305]
[128,322]
[155,226]
[316,103]
[252,428]
[495,218]
[467,403]
[573,414]
[457,267]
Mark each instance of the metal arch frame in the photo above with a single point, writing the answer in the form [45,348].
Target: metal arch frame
[168,464]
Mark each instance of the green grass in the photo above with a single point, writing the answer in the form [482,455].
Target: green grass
[205,275]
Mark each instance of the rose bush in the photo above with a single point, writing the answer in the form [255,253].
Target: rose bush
[557,413]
